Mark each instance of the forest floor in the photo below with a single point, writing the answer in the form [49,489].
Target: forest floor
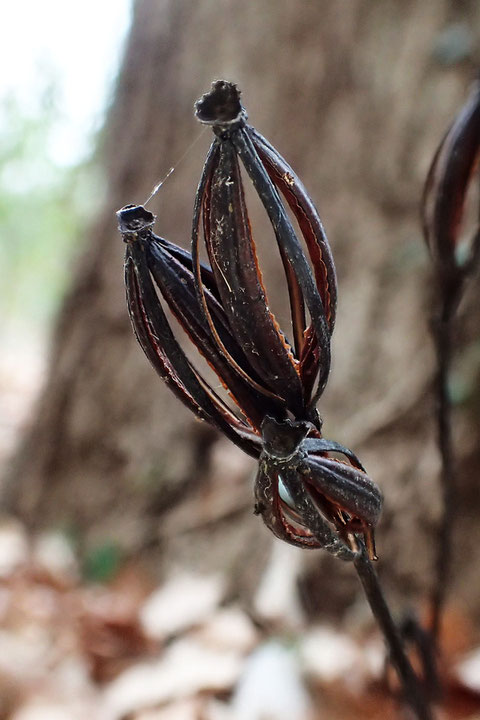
[126,650]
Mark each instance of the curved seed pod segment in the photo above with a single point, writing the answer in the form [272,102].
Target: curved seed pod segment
[345,495]
[291,187]
[249,374]
[339,492]
[290,372]
[158,342]
[174,278]
[446,188]
[295,520]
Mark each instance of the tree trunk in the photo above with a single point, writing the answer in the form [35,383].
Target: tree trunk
[356,96]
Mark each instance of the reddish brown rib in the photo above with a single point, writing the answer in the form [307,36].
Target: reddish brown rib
[297,307]
[176,283]
[291,187]
[235,265]
[202,200]
[211,408]
[298,535]
[275,512]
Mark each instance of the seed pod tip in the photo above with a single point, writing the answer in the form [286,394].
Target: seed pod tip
[221,105]
[134,218]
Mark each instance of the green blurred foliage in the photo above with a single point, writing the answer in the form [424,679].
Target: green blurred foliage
[102,563]
[44,210]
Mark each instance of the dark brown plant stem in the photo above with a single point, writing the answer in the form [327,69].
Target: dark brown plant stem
[454,167]
[442,331]
[413,692]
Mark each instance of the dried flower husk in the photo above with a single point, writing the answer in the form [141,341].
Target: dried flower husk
[306,495]
[289,369]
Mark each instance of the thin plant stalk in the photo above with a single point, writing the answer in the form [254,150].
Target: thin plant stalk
[414,694]
[442,331]
[449,179]
[443,324]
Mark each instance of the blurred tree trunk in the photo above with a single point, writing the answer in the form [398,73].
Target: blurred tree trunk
[356,95]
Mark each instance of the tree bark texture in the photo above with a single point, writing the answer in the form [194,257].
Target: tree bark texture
[356,95]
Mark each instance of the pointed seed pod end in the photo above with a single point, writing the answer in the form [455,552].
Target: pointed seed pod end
[221,105]
[133,219]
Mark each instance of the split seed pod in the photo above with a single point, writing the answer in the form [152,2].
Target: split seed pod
[306,497]
[288,370]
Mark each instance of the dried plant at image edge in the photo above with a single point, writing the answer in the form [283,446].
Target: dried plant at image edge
[305,495]
[454,259]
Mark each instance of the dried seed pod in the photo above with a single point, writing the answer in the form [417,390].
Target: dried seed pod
[155,335]
[289,370]
[305,495]
[299,487]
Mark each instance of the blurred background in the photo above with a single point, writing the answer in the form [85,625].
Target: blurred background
[135,581]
